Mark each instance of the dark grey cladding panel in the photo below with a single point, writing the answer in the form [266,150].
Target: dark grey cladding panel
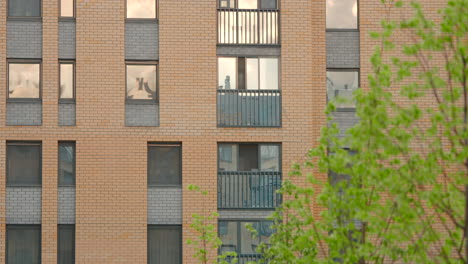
[67,39]
[66,205]
[23,205]
[343,49]
[24,39]
[141,40]
[344,121]
[142,115]
[239,50]
[24,114]
[164,206]
[67,114]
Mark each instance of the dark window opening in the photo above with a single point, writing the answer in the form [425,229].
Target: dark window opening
[23,164]
[164,244]
[164,164]
[23,244]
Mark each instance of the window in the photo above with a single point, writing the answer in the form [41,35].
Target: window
[249,157]
[67,8]
[248,4]
[66,165]
[141,82]
[342,84]
[164,164]
[67,80]
[23,163]
[248,73]
[23,244]
[24,8]
[342,14]
[24,80]
[237,238]
[141,9]
[66,244]
[164,244]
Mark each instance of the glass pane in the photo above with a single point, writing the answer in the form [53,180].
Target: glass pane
[227,3]
[66,81]
[248,244]
[269,155]
[165,245]
[342,84]
[268,73]
[342,14]
[141,9]
[248,157]
[66,8]
[66,164]
[227,157]
[227,73]
[23,245]
[252,74]
[24,164]
[24,8]
[248,4]
[164,165]
[23,80]
[228,236]
[264,230]
[66,244]
[268,4]
[141,82]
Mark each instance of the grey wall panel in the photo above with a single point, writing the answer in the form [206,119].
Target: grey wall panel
[141,41]
[24,114]
[247,51]
[67,39]
[67,114]
[343,49]
[24,39]
[344,120]
[164,205]
[23,205]
[244,214]
[66,205]
[142,115]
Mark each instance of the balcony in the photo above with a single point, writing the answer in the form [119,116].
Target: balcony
[248,26]
[242,190]
[249,108]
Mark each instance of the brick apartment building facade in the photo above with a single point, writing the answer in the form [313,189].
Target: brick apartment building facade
[109,109]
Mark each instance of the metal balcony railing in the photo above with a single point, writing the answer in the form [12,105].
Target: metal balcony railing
[248,26]
[245,258]
[249,108]
[240,190]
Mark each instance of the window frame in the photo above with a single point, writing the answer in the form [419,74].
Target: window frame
[23,61]
[236,5]
[142,63]
[280,161]
[136,19]
[358,70]
[162,144]
[71,143]
[70,227]
[23,143]
[67,100]
[358,24]
[66,18]
[164,226]
[24,18]
[237,72]
[22,226]
[238,221]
